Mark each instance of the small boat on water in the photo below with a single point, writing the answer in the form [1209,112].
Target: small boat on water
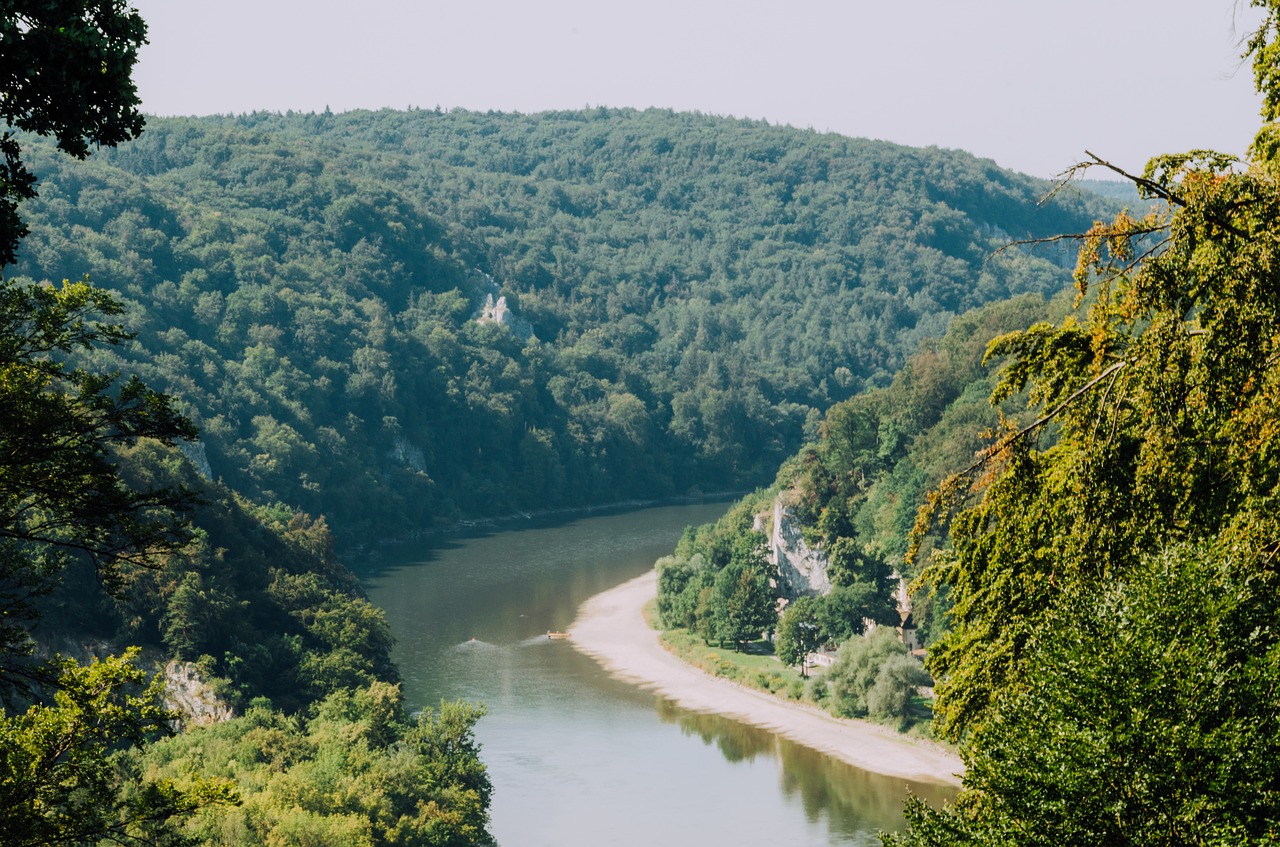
[553,634]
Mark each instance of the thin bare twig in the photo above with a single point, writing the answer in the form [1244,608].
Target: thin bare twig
[1043,419]
[1154,187]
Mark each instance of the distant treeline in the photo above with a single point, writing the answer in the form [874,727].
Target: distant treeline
[699,290]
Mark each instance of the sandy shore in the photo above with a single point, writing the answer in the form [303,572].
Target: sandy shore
[611,628]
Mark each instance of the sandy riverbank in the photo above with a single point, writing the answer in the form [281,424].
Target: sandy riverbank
[611,628]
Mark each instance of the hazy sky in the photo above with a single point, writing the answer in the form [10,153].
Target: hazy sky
[1029,83]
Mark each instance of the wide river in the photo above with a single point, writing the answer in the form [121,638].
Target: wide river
[579,758]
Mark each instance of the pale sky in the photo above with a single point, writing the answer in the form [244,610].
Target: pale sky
[1028,83]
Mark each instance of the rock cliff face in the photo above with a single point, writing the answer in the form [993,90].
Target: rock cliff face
[191,697]
[495,310]
[802,570]
[805,571]
[405,452]
[185,692]
[498,312]
[196,454]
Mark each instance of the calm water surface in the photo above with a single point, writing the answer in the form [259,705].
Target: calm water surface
[578,758]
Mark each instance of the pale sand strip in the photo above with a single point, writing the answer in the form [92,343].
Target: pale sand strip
[611,628]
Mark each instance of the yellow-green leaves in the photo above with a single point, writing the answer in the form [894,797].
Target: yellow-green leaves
[359,771]
[1116,650]
[61,777]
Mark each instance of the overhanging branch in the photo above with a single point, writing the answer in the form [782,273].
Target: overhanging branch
[1043,419]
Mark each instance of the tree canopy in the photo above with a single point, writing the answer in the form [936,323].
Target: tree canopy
[61,490]
[94,495]
[855,490]
[699,290]
[1111,671]
[66,71]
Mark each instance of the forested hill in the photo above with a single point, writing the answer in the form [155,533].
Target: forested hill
[698,290]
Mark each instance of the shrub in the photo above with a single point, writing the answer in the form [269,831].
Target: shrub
[873,676]
[895,685]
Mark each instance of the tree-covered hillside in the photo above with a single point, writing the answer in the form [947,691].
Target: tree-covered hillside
[854,491]
[697,288]
[109,538]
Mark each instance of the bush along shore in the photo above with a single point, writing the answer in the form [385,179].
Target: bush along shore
[872,677]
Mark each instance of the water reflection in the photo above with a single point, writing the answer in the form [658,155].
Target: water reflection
[846,799]
[736,741]
[577,757]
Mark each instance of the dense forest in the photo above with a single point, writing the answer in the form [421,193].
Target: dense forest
[1097,546]
[855,493]
[109,537]
[389,321]
[685,295]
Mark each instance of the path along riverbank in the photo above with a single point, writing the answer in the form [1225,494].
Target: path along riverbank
[612,629]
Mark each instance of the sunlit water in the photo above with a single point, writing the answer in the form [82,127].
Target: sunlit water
[579,758]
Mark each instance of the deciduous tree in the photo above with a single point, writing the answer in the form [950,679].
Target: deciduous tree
[61,493]
[798,633]
[65,71]
[744,597]
[1115,578]
[60,775]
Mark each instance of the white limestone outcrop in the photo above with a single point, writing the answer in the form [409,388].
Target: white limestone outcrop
[494,309]
[802,570]
[405,452]
[197,456]
[186,693]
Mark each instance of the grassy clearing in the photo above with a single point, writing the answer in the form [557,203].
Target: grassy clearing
[756,667]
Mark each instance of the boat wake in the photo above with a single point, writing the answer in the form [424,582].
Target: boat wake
[476,644]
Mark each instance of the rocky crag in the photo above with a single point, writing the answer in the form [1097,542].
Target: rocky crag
[802,570]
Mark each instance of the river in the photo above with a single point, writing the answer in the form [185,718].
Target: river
[579,758]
